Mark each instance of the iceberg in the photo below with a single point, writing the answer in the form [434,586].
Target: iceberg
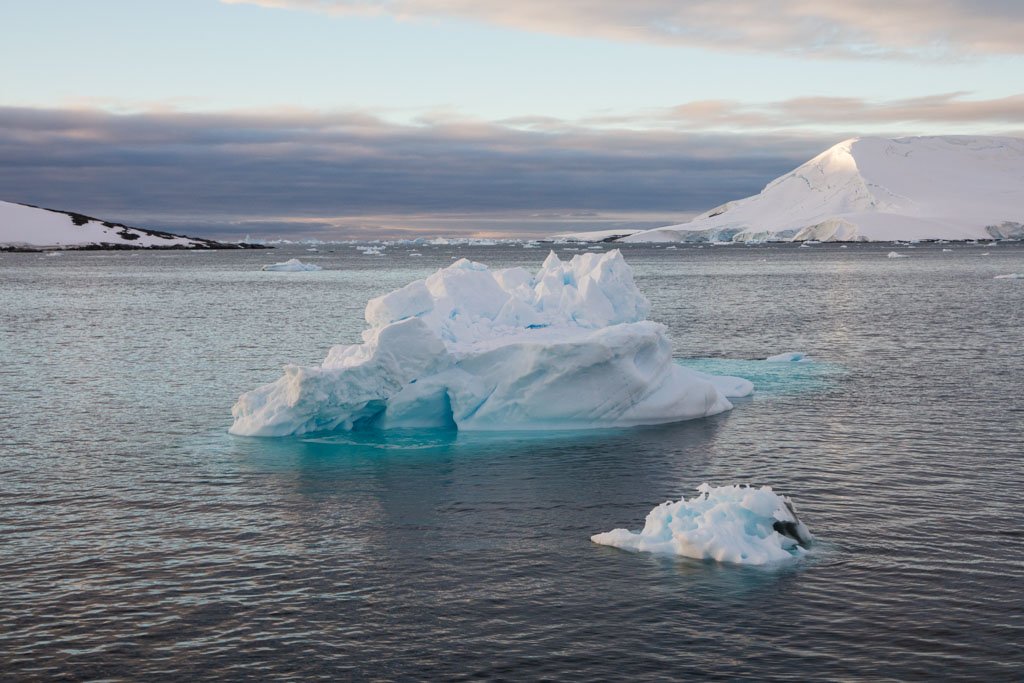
[478,349]
[735,524]
[896,254]
[1010,276]
[292,265]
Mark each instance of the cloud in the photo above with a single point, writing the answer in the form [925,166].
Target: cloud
[829,28]
[944,109]
[316,172]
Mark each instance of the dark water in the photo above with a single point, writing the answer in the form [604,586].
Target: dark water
[139,540]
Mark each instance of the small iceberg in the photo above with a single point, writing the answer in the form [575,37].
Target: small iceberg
[895,254]
[735,524]
[1010,276]
[569,347]
[789,357]
[291,266]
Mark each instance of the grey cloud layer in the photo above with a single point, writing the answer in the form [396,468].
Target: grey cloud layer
[307,166]
[834,28]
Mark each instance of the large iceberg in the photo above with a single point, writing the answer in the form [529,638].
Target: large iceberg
[735,524]
[481,349]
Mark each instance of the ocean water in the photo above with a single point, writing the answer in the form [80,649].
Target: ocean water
[139,540]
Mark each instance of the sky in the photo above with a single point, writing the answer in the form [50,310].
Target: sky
[342,119]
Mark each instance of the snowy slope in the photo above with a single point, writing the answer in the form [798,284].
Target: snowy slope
[877,189]
[36,228]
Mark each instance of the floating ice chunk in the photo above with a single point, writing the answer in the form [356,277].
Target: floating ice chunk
[948,251]
[789,357]
[736,524]
[566,348]
[291,266]
[730,387]
[896,254]
[1010,276]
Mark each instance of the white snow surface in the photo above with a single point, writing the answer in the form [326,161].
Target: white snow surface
[292,265]
[878,189]
[481,349]
[726,523]
[28,226]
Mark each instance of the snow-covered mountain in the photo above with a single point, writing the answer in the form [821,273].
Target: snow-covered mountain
[30,227]
[877,189]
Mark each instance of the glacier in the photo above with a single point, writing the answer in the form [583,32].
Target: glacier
[733,524]
[471,348]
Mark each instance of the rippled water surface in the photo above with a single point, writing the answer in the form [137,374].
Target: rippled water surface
[139,540]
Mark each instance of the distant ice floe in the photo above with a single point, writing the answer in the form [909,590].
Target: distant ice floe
[896,254]
[291,266]
[735,524]
[1010,276]
[789,357]
[478,349]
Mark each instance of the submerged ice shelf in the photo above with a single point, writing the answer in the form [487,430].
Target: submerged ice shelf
[735,524]
[481,349]
[293,265]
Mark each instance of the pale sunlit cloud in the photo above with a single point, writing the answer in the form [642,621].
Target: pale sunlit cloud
[999,115]
[829,28]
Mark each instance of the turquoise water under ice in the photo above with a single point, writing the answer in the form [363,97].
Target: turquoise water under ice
[138,539]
